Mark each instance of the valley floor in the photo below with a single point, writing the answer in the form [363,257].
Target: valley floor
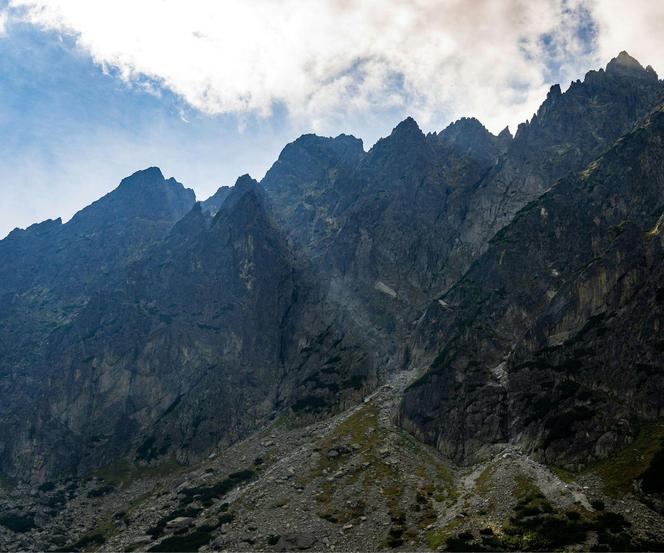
[352,482]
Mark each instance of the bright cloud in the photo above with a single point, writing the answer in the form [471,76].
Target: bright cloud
[323,58]
[635,26]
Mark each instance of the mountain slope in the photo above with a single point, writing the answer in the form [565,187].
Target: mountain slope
[400,224]
[189,368]
[529,344]
[212,332]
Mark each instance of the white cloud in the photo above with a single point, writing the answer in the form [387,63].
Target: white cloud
[3,22]
[635,26]
[326,60]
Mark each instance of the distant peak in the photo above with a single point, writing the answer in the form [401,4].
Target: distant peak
[247,191]
[554,91]
[407,127]
[465,125]
[624,58]
[625,65]
[340,143]
[246,182]
[244,185]
[37,228]
[213,203]
[505,134]
[149,174]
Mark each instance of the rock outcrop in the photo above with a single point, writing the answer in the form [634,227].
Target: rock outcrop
[550,341]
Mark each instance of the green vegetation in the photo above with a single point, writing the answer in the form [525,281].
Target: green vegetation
[564,474]
[436,538]
[483,481]
[87,541]
[122,472]
[188,542]
[619,471]
[93,539]
[207,494]
[536,525]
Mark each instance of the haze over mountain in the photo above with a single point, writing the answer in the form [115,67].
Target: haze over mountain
[450,339]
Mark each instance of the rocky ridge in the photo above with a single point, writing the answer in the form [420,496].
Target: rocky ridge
[186,376]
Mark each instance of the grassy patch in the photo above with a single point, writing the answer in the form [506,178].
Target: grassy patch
[536,525]
[620,470]
[437,537]
[123,472]
[564,474]
[483,482]
[207,494]
[355,429]
[189,542]
[93,539]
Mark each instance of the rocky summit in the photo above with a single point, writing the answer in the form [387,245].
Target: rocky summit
[450,341]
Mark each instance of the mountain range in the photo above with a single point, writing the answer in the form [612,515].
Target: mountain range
[452,340]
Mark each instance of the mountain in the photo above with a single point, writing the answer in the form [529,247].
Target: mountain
[550,341]
[448,193]
[214,330]
[449,340]
[50,272]
[213,203]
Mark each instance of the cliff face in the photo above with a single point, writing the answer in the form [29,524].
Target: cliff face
[148,327]
[48,275]
[210,333]
[50,269]
[551,339]
[400,224]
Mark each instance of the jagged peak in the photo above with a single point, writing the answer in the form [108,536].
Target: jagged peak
[149,175]
[36,228]
[554,91]
[464,125]
[193,222]
[213,203]
[148,179]
[248,194]
[625,65]
[506,134]
[244,185]
[221,191]
[246,182]
[406,132]
[340,143]
[407,128]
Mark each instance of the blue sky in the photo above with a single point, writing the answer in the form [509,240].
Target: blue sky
[70,132]
[93,91]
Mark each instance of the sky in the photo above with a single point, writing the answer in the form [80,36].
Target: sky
[93,90]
